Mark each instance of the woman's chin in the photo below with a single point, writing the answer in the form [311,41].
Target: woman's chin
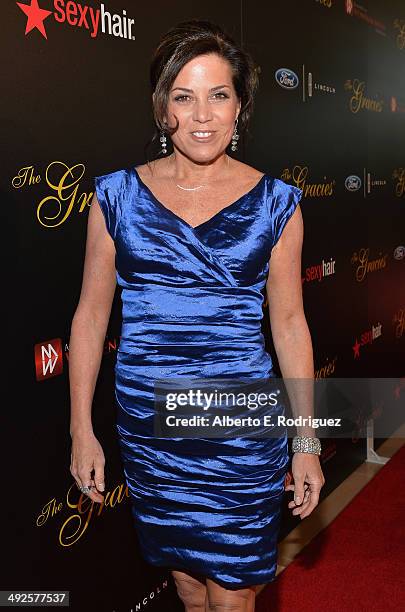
[202,154]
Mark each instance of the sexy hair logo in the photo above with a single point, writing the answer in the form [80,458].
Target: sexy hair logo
[366,337]
[78,15]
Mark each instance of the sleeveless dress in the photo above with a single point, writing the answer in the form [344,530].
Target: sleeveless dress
[192,304]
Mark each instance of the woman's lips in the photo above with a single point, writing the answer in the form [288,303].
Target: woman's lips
[203,135]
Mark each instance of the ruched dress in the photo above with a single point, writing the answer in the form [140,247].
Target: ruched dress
[192,305]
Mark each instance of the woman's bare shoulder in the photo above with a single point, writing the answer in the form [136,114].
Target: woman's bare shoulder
[246,171]
[150,170]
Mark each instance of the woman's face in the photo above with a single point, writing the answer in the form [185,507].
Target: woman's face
[204,101]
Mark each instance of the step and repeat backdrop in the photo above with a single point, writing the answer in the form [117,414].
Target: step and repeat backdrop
[329,118]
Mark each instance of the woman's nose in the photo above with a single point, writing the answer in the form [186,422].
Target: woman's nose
[202,111]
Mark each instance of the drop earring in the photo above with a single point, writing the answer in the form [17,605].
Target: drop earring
[235,137]
[163,141]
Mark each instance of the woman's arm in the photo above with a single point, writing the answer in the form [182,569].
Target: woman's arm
[293,345]
[91,318]
[291,336]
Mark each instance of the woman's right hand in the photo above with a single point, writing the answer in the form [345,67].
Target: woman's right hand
[86,456]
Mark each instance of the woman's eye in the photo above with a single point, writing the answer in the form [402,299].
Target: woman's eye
[219,95]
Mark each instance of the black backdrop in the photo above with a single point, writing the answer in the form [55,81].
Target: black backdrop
[80,104]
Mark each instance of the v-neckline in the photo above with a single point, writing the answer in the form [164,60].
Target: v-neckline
[195,228]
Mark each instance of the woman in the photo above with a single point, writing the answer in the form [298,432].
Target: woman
[188,237]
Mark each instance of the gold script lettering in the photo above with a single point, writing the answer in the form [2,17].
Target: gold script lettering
[49,510]
[400,25]
[359,101]
[85,504]
[365,265]
[76,524]
[312,190]
[24,177]
[399,174]
[66,189]
[114,497]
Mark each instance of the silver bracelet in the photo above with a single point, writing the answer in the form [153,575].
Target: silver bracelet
[304,444]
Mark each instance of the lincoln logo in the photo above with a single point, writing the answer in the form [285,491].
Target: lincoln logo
[77,15]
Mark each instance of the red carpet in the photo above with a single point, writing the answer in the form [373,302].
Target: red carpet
[358,562]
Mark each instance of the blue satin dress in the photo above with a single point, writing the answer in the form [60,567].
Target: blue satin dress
[192,304]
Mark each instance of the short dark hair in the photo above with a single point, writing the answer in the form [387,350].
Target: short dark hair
[183,43]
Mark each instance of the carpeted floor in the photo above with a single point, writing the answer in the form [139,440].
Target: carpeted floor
[358,562]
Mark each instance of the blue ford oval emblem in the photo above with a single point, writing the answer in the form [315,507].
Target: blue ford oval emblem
[399,252]
[286,78]
[353,183]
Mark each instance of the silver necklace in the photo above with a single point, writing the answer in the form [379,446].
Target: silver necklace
[189,188]
[192,188]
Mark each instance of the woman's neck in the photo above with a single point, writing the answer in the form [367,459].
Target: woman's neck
[182,168]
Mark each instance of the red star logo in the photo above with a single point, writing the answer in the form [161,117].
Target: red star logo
[36,17]
[356,349]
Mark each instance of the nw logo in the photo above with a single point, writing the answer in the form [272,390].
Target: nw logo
[48,357]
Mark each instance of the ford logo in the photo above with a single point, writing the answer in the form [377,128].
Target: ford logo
[353,183]
[399,252]
[286,78]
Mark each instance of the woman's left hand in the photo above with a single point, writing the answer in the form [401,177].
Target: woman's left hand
[308,480]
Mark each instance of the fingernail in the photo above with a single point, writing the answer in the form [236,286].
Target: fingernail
[101,487]
[298,500]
